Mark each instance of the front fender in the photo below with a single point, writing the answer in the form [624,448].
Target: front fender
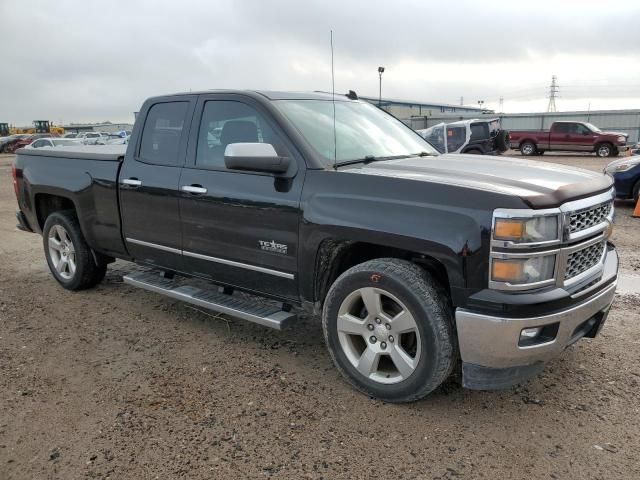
[443,222]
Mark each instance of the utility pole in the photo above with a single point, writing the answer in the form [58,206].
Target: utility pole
[461,101]
[501,104]
[553,93]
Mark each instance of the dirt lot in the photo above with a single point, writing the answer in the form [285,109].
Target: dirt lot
[120,383]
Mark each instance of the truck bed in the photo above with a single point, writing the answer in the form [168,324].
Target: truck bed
[86,175]
[107,153]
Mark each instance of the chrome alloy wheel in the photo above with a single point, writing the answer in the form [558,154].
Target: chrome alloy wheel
[378,335]
[604,151]
[528,149]
[62,252]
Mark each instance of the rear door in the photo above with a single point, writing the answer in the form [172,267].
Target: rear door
[149,182]
[239,228]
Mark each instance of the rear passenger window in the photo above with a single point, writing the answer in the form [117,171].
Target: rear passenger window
[162,133]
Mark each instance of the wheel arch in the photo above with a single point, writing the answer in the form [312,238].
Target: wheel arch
[334,257]
[47,203]
[527,140]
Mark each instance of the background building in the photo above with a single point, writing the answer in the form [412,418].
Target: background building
[407,108]
[107,127]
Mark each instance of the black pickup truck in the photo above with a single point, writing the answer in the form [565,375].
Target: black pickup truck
[417,263]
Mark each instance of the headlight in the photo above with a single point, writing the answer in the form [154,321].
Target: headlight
[526,230]
[622,167]
[622,139]
[523,271]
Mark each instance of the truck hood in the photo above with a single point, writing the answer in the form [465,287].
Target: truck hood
[539,184]
[616,134]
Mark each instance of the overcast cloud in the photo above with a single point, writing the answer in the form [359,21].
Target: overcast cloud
[92,61]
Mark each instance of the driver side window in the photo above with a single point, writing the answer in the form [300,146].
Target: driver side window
[224,122]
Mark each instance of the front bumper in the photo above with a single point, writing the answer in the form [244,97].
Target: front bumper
[490,346]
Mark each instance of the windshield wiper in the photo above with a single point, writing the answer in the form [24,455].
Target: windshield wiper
[423,154]
[371,158]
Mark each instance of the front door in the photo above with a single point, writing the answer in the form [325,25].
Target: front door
[149,182]
[239,228]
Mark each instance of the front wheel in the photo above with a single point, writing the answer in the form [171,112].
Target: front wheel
[67,253]
[389,330]
[604,150]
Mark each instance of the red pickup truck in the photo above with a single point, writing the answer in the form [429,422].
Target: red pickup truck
[571,137]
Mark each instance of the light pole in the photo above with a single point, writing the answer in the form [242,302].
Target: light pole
[380,72]
[481,103]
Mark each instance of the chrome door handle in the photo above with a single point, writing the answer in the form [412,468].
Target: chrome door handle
[194,189]
[134,182]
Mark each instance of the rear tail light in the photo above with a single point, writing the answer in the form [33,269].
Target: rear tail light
[15,180]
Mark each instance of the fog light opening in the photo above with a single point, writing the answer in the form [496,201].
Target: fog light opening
[533,336]
[529,333]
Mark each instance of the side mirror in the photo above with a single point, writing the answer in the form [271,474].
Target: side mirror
[256,157]
[584,132]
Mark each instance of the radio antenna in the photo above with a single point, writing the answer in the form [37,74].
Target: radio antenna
[333,101]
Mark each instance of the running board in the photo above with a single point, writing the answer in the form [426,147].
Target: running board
[266,315]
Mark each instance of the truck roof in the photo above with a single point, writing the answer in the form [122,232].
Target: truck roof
[270,94]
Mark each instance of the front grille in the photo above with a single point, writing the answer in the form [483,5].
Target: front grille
[583,260]
[589,217]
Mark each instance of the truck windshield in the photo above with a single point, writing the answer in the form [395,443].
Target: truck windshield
[362,131]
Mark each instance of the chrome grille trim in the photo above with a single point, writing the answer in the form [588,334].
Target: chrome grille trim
[582,260]
[589,217]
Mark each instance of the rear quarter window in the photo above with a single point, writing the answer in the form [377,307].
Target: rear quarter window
[162,133]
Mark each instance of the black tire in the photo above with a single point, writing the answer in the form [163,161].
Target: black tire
[528,148]
[86,273]
[502,141]
[426,302]
[604,150]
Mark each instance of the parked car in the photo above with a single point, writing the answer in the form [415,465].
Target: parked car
[70,135]
[480,137]
[6,145]
[53,142]
[569,137]
[416,262]
[90,138]
[24,140]
[112,139]
[626,175]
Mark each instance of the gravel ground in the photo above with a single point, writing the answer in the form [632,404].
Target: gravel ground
[120,383]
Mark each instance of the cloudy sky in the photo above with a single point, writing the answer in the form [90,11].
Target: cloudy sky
[84,60]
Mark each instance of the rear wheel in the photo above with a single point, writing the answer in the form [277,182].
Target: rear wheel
[67,253]
[389,330]
[528,148]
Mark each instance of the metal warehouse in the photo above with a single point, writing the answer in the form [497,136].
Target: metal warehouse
[406,108]
[626,121]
